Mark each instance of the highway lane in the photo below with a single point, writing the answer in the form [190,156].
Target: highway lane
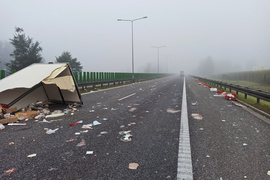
[154,144]
[228,143]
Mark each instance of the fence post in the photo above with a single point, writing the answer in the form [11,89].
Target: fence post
[76,77]
[3,73]
[88,77]
[80,74]
[84,77]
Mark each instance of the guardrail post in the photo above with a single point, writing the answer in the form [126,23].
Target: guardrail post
[245,96]
[258,100]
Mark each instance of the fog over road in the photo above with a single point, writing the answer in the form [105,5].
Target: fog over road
[228,143]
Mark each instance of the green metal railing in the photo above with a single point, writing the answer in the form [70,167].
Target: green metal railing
[88,77]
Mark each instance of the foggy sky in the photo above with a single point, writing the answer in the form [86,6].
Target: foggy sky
[230,31]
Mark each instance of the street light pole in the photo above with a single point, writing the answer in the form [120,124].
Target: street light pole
[132,46]
[158,53]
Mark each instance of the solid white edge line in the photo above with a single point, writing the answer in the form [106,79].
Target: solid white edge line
[184,167]
[126,97]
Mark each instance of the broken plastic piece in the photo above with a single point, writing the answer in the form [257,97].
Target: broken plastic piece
[132,109]
[51,131]
[197,116]
[11,143]
[2,127]
[10,171]
[82,143]
[77,134]
[87,126]
[95,123]
[89,152]
[16,124]
[32,155]
[172,111]
[133,166]
[244,144]
[55,115]
[70,140]
[268,173]
[213,89]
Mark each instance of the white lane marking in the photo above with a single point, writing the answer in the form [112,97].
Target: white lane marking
[126,97]
[184,169]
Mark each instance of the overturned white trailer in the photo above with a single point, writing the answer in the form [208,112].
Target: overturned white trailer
[39,82]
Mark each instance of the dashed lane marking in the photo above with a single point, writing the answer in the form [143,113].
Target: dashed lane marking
[126,97]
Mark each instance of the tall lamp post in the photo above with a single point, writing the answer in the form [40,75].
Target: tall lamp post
[158,47]
[132,48]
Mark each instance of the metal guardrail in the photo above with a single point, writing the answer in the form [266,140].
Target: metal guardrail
[115,81]
[245,90]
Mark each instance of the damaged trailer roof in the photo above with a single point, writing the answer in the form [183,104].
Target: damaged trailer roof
[39,82]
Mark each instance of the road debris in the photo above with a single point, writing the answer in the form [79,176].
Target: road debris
[74,124]
[70,140]
[77,133]
[32,155]
[95,123]
[132,109]
[268,173]
[11,143]
[91,111]
[51,131]
[10,171]
[244,144]
[16,124]
[194,104]
[87,126]
[2,127]
[82,143]
[133,166]
[55,115]
[169,110]
[126,136]
[230,96]
[197,116]
[89,152]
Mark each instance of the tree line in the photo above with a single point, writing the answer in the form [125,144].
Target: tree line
[26,51]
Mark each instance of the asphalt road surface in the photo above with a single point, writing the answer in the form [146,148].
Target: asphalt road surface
[228,143]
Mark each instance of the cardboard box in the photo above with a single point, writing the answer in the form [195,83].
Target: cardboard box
[12,119]
[27,114]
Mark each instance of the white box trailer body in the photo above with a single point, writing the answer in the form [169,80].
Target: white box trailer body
[40,82]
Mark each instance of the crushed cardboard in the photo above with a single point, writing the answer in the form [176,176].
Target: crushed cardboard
[27,114]
[11,119]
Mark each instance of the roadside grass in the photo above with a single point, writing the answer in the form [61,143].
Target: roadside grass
[249,84]
[263,105]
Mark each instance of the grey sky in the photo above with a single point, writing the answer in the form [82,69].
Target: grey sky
[236,31]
